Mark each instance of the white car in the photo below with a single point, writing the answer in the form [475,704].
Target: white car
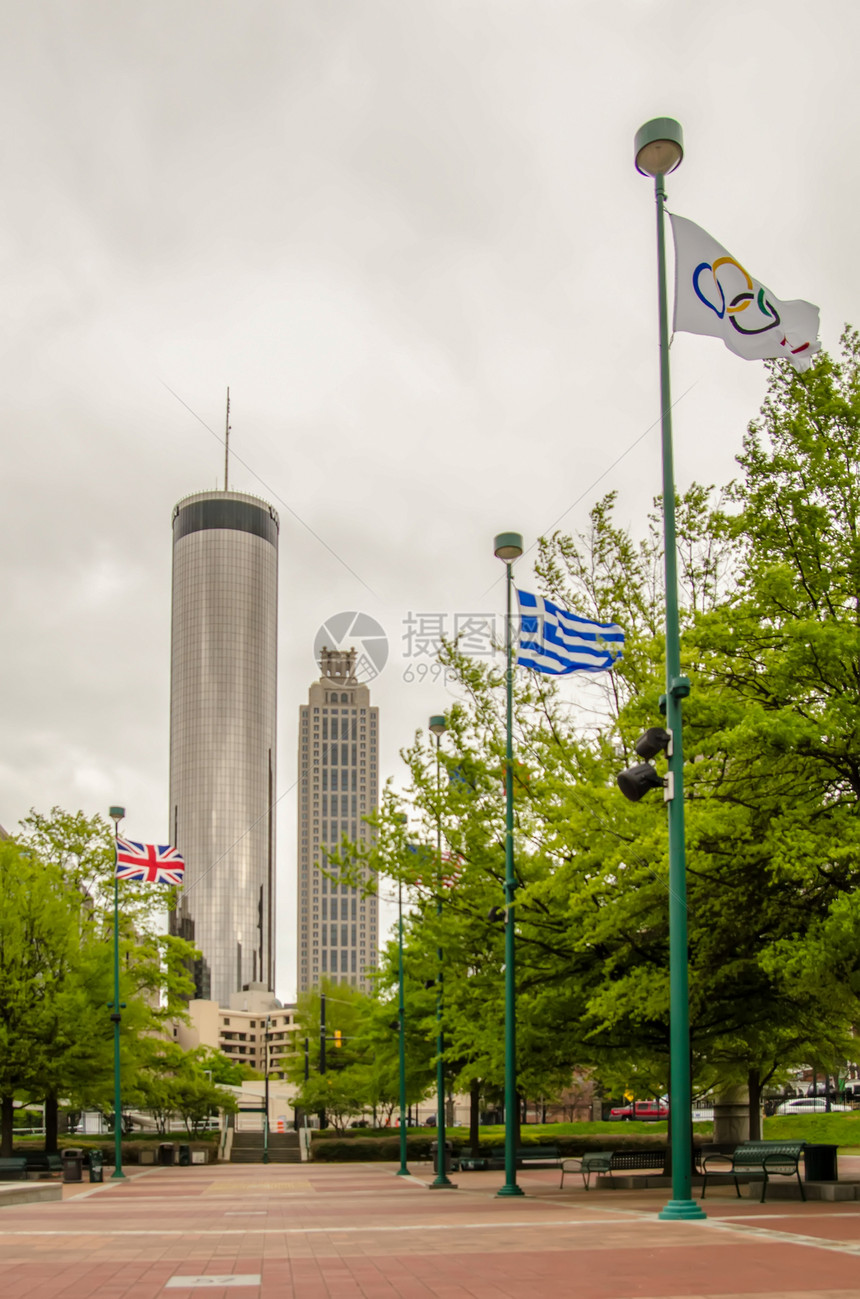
[811,1105]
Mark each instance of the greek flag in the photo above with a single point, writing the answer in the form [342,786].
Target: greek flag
[557,642]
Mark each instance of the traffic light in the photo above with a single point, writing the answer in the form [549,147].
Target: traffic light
[338,1039]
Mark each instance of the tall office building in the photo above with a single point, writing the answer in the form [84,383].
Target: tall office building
[338,785]
[223,701]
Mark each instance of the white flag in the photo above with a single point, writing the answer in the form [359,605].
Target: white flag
[715,295]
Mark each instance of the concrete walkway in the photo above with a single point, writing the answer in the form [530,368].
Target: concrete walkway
[343,1231]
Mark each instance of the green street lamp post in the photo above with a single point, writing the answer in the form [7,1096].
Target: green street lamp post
[441,1180]
[659,148]
[266,1086]
[402,1171]
[507,547]
[116,815]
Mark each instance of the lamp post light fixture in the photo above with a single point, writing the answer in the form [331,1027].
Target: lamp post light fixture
[659,149]
[438,727]
[116,1007]
[507,547]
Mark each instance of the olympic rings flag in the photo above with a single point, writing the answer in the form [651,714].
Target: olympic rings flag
[714,294]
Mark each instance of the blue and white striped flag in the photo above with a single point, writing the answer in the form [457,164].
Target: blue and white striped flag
[557,642]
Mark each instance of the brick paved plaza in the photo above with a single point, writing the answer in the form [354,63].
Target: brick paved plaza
[313,1231]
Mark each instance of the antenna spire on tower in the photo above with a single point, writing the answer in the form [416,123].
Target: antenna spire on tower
[227,446]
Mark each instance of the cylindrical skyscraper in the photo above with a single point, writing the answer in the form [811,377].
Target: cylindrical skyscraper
[223,712]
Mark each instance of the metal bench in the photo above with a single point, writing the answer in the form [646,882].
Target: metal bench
[43,1164]
[13,1168]
[751,1159]
[611,1161]
[527,1157]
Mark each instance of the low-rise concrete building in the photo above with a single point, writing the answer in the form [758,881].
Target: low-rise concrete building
[253,1020]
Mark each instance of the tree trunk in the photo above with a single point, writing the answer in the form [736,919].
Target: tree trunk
[754,1084]
[7,1112]
[732,1115]
[52,1113]
[475,1118]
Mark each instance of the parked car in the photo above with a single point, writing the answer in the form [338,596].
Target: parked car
[641,1110]
[430,1121]
[810,1105]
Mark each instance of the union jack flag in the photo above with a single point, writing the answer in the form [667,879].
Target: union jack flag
[153,863]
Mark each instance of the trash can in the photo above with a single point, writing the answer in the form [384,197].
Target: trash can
[819,1163]
[184,1156]
[73,1165]
[96,1166]
[165,1153]
[434,1151]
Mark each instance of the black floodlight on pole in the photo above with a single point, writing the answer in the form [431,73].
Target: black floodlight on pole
[638,781]
[654,741]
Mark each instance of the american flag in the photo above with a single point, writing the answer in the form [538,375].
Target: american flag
[153,863]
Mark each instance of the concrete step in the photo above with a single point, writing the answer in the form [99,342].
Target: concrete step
[247,1148]
[256,1156]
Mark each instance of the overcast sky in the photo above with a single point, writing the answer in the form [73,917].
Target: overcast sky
[409,235]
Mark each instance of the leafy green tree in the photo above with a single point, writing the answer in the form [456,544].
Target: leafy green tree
[223,1070]
[68,1046]
[339,1095]
[366,1058]
[770,620]
[38,941]
[173,1081]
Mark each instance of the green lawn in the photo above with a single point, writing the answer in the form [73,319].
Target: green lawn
[829,1129]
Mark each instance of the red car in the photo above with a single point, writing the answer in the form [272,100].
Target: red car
[647,1110]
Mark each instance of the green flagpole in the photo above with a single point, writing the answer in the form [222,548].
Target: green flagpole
[116,815]
[402,1171]
[441,1181]
[659,148]
[508,546]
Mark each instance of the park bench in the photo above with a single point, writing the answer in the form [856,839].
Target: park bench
[598,1162]
[40,1163]
[751,1159]
[526,1157]
[13,1168]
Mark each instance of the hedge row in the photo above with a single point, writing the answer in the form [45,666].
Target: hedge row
[131,1150]
[369,1149]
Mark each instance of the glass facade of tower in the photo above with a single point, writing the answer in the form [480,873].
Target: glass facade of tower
[223,715]
[338,786]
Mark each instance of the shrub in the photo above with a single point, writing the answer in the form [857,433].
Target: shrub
[369,1149]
